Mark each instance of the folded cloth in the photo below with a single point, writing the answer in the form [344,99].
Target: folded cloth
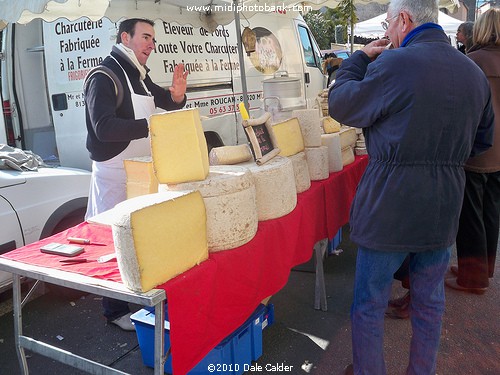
[19,160]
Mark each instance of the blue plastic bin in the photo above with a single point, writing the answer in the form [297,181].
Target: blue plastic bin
[232,356]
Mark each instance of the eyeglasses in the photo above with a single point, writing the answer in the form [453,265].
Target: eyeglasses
[385,23]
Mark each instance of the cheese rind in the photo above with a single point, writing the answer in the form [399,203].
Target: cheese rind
[141,179]
[276,194]
[228,155]
[347,155]
[178,146]
[157,236]
[348,137]
[301,172]
[310,126]
[289,137]
[317,162]
[229,196]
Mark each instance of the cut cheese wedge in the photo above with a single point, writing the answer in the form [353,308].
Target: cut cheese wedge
[275,189]
[157,236]
[330,125]
[347,155]
[310,126]
[227,155]
[229,196]
[141,179]
[317,162]
[289,137]
[301,172]
[332,141]
[348,137]
[178,146]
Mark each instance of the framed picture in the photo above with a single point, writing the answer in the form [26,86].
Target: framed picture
[261,136]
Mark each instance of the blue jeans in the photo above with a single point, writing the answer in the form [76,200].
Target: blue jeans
[372,289]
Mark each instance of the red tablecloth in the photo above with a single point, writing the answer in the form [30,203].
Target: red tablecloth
[208,302]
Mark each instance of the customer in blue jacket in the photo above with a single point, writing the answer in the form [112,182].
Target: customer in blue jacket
[117,129]
[419,129]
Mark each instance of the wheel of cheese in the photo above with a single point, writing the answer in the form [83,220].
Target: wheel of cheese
[301,172]
[230,202]
[228,155]
[332,142]
[157,236]
[310,126]
[275,187]
[348,137]
[317,162]
[347,155]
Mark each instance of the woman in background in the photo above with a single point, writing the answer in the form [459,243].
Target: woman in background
[464,36]
[477,237]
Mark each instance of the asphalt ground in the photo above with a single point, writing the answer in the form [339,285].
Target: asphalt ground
[301,340]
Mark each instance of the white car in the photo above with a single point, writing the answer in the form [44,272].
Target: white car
[34,205]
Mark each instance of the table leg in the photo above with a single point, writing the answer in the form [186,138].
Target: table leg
[320,249]
[18,322]
[159,338]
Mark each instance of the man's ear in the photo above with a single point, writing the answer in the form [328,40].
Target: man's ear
[406,22]
[125,37]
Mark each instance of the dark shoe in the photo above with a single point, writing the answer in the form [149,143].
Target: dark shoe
[452,283]
[402,312]
[454,270]
[349,370]
[398,302]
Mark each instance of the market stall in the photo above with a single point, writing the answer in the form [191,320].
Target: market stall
[208,302]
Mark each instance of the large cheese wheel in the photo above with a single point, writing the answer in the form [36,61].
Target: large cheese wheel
[347,155]
[348,137]
[310,126]
[178,146]
[141,179]
[301,172]
[157,236]
[227,155]
[275,187]
[332,141]
[229,195]
[317,162]
[289,137]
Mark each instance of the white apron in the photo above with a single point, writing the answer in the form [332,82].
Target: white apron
[108,183]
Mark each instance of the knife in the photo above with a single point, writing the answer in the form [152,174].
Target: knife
[84,241]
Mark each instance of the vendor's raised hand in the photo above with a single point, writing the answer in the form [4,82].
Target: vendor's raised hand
[375,48]
[179,83]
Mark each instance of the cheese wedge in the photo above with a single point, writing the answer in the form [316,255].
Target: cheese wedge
[289,137]
[157,236]
[178,146]
[301,172]
[229,196]
[310,126]
[276,194]
[141,179]
[332,141]
[317,162]
[227,155]
[330,125]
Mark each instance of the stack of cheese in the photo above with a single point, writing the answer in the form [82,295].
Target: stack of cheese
[157,236]
[276,193]
[360,148]
[316,154]
[230,201]
[348,138]
[141,178]
[291,144]
[322,101]
[331,140]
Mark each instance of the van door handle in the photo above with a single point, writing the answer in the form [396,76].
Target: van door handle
[307,79]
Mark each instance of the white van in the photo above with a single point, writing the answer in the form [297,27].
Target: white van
[44,65]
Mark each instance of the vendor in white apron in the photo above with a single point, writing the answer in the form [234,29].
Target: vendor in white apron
[118,129]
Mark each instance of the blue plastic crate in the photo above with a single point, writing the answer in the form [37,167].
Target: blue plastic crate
[232,356]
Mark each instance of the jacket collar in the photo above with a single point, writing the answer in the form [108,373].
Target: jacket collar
[424,33]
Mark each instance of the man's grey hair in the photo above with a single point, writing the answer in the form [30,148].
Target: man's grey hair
[420,11]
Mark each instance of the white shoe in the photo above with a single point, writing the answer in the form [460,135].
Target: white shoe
[124,322]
